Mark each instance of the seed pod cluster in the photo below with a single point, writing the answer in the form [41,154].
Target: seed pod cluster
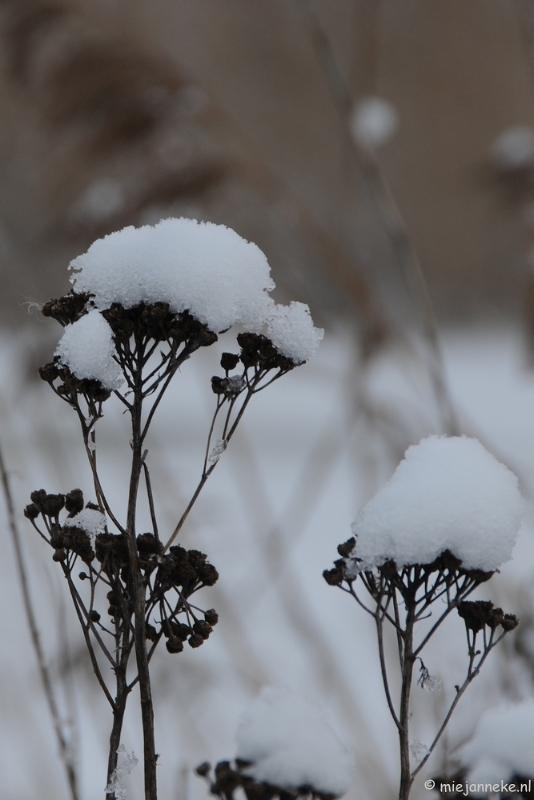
[155,321]
[479,613]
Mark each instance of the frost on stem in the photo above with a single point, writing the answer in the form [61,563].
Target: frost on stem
[439,528]
[286,749]
[117,785]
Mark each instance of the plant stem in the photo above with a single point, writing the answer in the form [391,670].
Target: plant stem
[118,719]
[408,661]
[138,589]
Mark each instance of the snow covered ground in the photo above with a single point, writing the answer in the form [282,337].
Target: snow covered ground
[311,450]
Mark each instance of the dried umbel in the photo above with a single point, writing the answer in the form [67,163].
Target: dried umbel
[143,302]
[403,597]
[433,534]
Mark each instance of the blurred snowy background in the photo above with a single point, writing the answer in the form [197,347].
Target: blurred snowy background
[121,112]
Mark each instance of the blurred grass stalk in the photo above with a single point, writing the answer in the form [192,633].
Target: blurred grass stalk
[65,750]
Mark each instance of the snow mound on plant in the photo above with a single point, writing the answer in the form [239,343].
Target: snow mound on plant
[291,744]
[502,745]
[206,269]
[88,519]
[291,330]
[87,349]
[449,493]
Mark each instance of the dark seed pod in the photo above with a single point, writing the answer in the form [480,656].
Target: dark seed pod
[208,574]
[83,576]
[182,630]
[31,511]
[148,544]
[94,616]
[74,502]
[333,577]
[195,640]
[202,628]
[53,503]
[49,372]
[211,616]
[203,769]
[510,622]
[347,547]
[218,385]
[59,555]
[229,361]
[175,645]
[38,498]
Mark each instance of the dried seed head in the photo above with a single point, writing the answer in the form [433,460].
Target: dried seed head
[211,616]
[66,309]
[31,511]
[74,502]
[229,361]
[347,547]
[333,577]
[148,544]
[203,628]
[510,622]
[175,645]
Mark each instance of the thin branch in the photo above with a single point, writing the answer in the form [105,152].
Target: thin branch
[151,501]
[471,675]
[380,636]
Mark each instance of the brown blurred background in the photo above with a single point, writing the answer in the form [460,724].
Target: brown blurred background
[119,112]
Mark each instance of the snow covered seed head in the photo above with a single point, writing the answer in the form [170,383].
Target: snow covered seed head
[449,493]
[176,275]
[206,269]
[87,349]
[291,745]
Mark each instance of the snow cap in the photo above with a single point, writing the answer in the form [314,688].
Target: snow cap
[502,745]
[87,349]
[291,744]
[206,269]
[449,493]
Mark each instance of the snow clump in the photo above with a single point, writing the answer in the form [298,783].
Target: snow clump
[88,519]
[502,745]
[87,349]
[448,493]
[291,330]
[291,744]
[205,269]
